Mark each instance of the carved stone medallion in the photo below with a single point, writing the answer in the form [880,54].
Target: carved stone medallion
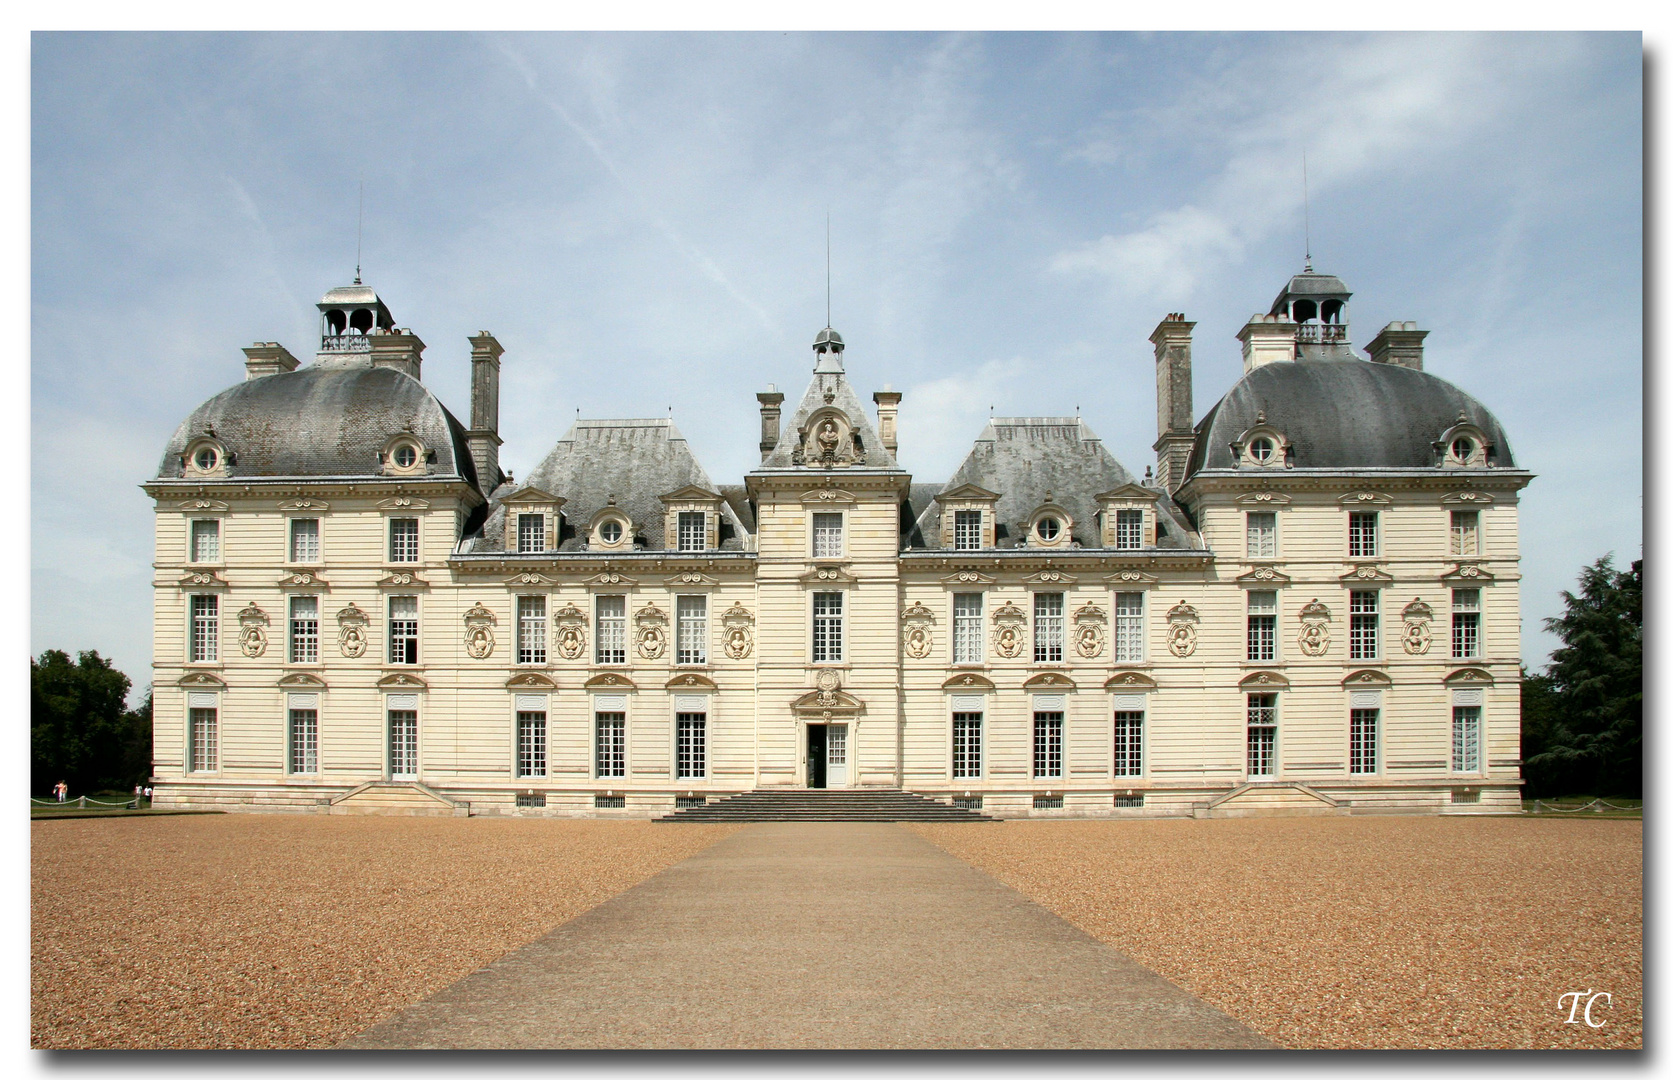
[479,632]
[351,631]
[252,630]
[1314,638]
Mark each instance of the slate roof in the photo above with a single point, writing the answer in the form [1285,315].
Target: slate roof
[843,397]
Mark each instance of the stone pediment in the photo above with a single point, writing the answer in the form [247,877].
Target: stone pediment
[1364,498]
[969,681]
[1263,577]
[828,496]
[828,705]
[530,680]
[1469,676]
[690,680]
[202,679]
[610,680]
[529,495]
[1128,493]
[1366,679]
[1263,680]
[203,506]
[967,493]
[1468,574]
[1262,500]
[301,680]
[402,503]
[304,506]
[1466,498]
[302,579]
[835,574]
[1130,680]
[1367,576]
[610,579]
[1049,680]
[530,577]
[203,579]
[1049,577]
[402,579]
[1133,579]
[969,577]
[402,680]
[687,579]
[690,493]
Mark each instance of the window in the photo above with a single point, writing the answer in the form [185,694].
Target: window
[1466,738]
[693,530]
[1362,625]
[403,743]
[304,540]
[403,539]
[1263,734]
[1129,628]
[967,530]
[205,744]
[610,532]
[691,746]
[611,750]
[1262,449]
[1048,628]
[1466,624]
[967,745]
[827,627]
[206,628]
[1466,532]
[1262,535]
[692,629]
[1362,536]
[206,541]
[1263,626]
[1129,743]
[827,536]
[1461,449]
[206,459]
[1362,741]
[531,532]
[406,456]
[967,628]
[1048,745]
[531,744]
[612,629]
[304,741]
[1047,528]
[1129,529]
[304,629]
[531,629]
[529,799]
[403,629]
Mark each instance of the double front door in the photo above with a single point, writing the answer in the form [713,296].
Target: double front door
[827,755]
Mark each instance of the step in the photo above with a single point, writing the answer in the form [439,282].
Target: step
[825,805]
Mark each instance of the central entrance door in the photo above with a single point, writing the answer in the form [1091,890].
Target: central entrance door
[816,734]
[827,755]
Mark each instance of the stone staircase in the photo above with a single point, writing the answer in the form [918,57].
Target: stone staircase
[796,804]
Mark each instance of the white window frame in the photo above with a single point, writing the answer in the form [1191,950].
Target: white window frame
[193,527]
[203,754]
[531,532]
[689,764]
[1364,750]
[390,620]
[302,638]
[530,760]
[828,627]
[1049,628]
[1253,645]
[1129,628]
[1464,529]
[1260,534]
[963,539]
[1469,709]
[615,708]
[302,746]
[1043,758]
[1358,548]
[203,628]
[685,540]
[1475,619]
[1133,744]
[821,534]
[401,704]
[1364,624]
[1269,728]
[293,534]
[966,756]
[1129,529]
[531,629]
[397,554]
[610,639]
[969,638]
[691,631]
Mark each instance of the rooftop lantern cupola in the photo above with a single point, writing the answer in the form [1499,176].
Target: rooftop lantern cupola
[1318,305]
[827,347]
[348,315]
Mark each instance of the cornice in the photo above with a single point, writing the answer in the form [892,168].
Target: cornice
[1237,482]
[292,487]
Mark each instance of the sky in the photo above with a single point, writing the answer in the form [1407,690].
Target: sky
[641,222]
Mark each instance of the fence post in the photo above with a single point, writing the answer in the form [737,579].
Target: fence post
[81,804]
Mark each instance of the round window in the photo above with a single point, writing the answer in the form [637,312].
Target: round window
[610,531]
[1048,528]
[405,456]
[206,458]
[1462,449]
[1262,450]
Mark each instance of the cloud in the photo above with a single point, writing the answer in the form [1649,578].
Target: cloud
[941,417]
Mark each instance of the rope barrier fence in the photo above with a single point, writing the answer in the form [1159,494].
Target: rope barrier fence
[82,802]
[1597,806]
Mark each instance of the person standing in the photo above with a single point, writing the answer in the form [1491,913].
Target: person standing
[62,790]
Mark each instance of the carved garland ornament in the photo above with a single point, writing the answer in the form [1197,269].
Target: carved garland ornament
[919,639]
[1182,629]
[252,630]
[1089,630]
[1314,638]
[651,631]
[1008,621]
[740,639]
[1416,636]
[351,631]
[479,633]
[571,634]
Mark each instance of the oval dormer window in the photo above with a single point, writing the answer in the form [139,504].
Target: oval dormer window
[1048,528]
[406,456]
[206,459]
[610,532]
[1262,449]
[1462,449]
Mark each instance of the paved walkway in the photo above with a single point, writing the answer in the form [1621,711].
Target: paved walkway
[814,935]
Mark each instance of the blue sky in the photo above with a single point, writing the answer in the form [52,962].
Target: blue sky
[640,219]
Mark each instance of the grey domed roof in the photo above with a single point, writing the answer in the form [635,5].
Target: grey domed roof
[1345,414]
[827,336]
[323,422]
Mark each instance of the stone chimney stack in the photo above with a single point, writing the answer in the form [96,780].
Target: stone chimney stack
[1172,338]
[398,349]
[1267,339]
[888,408]
[270,358]
[1397,343]
[772,403]
[484,434]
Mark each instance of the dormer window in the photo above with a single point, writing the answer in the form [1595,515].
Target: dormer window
[206,459]
[693,530]
[610,532]
[1129,530]
[406,456]
[1462,446]
[1262,449]
[967,530]
[531,533]
[403,455]
[1048,528]
[1463,449]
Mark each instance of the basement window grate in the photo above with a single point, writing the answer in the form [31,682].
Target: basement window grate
[686,802]
[1129,800]
[1466,796]
[974,802]
[610,802]
[531,798]
[1048,802]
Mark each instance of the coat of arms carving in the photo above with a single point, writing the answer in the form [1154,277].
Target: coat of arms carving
[651,631]
[1182,629]
[572,631]
[740,639]
[479,632]
[1314,638]
[918,639]
[351,631]
[252,630]
[1415,636]
[1008,621]
[1089,630]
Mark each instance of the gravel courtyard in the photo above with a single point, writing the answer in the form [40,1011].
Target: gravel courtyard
[1373,932]
[250,930]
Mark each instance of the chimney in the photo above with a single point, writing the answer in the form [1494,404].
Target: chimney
[484,434]
[1397,343]
[1266,339]
[888,406]
[1172,338]
[771,406]
[398,349]
[270,358]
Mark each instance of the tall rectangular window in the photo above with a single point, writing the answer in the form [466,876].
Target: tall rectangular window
[403,629]
[403,743]
[1129,628]
[531,629]
[531,533]
[611,750]
[1048,745]
[304,741]
[1466,738]
[1263,626]
[967,530]
[1364,624]
[967,745]
[1466,624]
[967,628]
[827,627]
[206,628]
[612,629]
[205,745]
[1261,534]
[1362,535]
[694,528]
[691,614]
[206,541]
[531,744]
[1048,628]
[1129,530]
[304,540]
[1263,734]
[1466,532]
[691,746]
[304,629]
[403,539]
[1129,743]
[1362,740]
[827,536]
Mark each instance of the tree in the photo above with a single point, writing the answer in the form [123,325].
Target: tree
[79,729]
[1585,730]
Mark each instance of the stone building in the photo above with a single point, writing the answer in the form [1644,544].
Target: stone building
[1310,606]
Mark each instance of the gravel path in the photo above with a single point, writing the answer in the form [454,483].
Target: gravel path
[268,931]
[1355,932]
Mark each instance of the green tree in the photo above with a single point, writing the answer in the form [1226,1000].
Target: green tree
[80,730]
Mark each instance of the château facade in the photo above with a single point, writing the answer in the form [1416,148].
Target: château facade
[1309,607]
